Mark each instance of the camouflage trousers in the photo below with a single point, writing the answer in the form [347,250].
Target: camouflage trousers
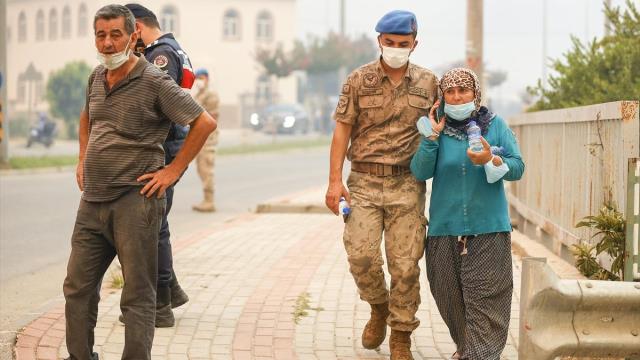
[393,205]
[205,161]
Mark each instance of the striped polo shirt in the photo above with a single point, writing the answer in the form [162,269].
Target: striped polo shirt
[127,126]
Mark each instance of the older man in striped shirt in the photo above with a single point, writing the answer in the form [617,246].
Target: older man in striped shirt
[121,171]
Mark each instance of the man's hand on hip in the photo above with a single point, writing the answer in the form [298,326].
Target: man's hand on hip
[158,181]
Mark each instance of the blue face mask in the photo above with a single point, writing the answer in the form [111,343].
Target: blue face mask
[495,173]
[459,112]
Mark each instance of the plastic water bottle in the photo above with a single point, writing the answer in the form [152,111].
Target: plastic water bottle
[474,133]
[343,208]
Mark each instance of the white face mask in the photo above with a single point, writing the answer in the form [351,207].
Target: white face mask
[395,57]
[114,61]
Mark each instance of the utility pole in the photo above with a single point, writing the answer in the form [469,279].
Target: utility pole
[342,71]
[475,38]
[4,126]
[544,44]
[342,17]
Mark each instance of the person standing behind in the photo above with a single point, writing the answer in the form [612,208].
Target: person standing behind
[468,250]
[377,112]
[129,107]
[206,159]
[163,51]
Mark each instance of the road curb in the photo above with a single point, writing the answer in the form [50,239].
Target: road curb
[527,247]
[291,209]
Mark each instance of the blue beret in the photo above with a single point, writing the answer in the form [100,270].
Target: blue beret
[399,22]
[201,72]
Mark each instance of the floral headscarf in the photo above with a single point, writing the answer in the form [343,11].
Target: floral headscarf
[464,78]
[467,79]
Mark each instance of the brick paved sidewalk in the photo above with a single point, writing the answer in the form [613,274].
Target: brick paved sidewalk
[245,280]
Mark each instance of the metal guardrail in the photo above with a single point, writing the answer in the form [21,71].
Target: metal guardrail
[576,161]
[632,253]
[561,317]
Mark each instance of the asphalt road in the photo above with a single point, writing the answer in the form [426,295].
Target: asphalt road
[37,214]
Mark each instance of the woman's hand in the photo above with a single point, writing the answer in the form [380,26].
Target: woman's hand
[436,125]
[482,157]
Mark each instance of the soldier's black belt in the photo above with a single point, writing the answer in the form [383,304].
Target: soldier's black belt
[379,169]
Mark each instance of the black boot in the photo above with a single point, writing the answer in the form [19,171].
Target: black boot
[178,296]
[94,356]
[164,314]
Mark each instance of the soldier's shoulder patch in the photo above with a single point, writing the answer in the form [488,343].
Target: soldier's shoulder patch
[160,61]
[342,104]
[346,88]
[370,80]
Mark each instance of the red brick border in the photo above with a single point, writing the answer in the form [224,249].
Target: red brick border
[41,339]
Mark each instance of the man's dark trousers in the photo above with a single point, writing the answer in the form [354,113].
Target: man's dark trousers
[128,227]
[165,257]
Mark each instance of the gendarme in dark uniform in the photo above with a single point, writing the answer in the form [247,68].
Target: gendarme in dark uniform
[166,54]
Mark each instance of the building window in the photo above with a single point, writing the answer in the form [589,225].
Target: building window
[83,24]
[231,25]
[40,25]
[264,92]
[66,22]
[169,20]
[53,24]
[22,27]
[264,26]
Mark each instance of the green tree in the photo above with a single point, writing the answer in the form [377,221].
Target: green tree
[334,51]
[603,70]
[280,64]
[321,55]
[66,94]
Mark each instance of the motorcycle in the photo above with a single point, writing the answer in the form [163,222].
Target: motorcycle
[44,134]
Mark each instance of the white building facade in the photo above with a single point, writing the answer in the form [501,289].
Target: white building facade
[222,36]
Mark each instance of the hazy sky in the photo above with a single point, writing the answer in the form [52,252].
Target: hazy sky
[512,29]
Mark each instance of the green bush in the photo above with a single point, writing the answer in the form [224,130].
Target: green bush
[611,227]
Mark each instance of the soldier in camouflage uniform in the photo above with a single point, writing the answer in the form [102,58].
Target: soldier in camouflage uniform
[206,159]
[377,112]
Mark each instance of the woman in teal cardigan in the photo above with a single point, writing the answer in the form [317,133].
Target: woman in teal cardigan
[468,246]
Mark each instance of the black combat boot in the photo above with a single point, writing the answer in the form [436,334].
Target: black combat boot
[164,314]
[94,356]
[178,296]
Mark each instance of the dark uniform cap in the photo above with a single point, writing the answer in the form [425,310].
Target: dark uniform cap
[140,11]
[398,22]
